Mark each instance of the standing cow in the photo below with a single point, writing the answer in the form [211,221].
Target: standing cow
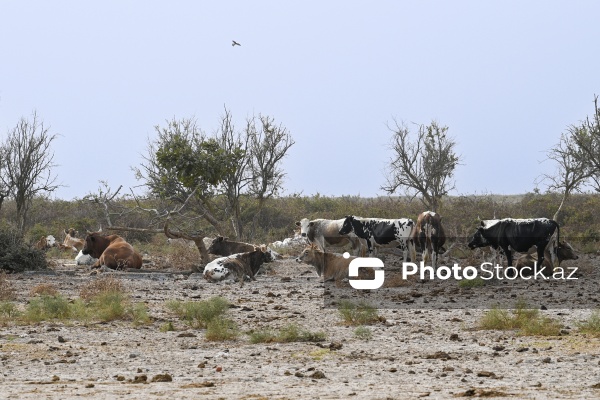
[327,231]
[381,233]
[429,234]
[518,235]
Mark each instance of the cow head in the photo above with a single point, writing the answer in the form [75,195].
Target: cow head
[216,242]
[312,255]
[267,255]
[478,240]
[566,252]
[347,225]
[95,244]
[304,224]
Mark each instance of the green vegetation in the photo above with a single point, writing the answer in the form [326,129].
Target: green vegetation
[591,326]
[199,313]
[357,314]
[220,329]
[363,333]
[527,321]
[471,283]
[102,300]
[209,314]
[286,334]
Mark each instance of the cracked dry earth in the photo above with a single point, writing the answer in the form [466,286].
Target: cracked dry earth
[413,353]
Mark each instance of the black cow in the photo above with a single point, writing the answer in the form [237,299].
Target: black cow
[516,234]
[381,232]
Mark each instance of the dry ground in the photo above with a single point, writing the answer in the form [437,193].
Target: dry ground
[413,353]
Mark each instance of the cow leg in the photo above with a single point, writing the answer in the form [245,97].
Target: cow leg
[541,247]
[509,261]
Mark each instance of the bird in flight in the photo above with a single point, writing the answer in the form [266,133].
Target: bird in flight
[234,43]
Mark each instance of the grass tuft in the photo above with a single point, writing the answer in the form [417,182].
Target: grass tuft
[7,292]
[363,333]
[199,313]
[357,314]
[527,321]
[286,334]
[591,326]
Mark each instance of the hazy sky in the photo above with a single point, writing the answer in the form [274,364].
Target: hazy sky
[507,78]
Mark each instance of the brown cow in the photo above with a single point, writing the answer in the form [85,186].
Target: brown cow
[71,242]
[45,242]
[565,252]
[112,251]
[331,266]
[428,234]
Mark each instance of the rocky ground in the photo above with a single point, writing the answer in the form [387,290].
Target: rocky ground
[417,351]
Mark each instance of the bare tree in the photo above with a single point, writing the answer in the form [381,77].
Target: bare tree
[587,138]
[573,168]
[28,163]
[424,165]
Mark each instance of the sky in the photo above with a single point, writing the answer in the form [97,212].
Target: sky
[506,77]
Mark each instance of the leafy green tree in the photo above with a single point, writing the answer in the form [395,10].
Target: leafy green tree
[211,174]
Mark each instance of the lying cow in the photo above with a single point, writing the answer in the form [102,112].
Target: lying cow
[240,265]
[222,246]
[381,233]
[45,242]
[429,234]
[327,231]
[516,235]
[71,242]
[331,266]
[112,251]
[564,251]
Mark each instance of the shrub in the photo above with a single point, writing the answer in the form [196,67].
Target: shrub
[527,321]
[286,334]
[44,289]
[46,308]
[15,256]
[7,292]
[591,326]
[363,333]
[8,311]
[199,313]
[357,314]
[471,283]
[105,284]
[220,329]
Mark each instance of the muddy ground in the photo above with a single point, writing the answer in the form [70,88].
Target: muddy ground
[415,352]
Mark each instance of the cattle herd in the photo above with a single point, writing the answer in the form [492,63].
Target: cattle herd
[538,239]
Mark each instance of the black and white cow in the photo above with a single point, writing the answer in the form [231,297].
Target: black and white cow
[429,235]
[517,235]
[381,233]
[240,265]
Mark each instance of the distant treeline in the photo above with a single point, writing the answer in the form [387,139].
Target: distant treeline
[579,220]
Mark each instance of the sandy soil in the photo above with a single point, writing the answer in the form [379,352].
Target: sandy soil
[433,352]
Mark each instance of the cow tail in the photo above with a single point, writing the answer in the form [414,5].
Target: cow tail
[557,239]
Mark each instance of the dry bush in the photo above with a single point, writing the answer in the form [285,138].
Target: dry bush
[7,292]
[44,289]
[105,284]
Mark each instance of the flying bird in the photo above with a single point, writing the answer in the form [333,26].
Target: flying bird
[234,43]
